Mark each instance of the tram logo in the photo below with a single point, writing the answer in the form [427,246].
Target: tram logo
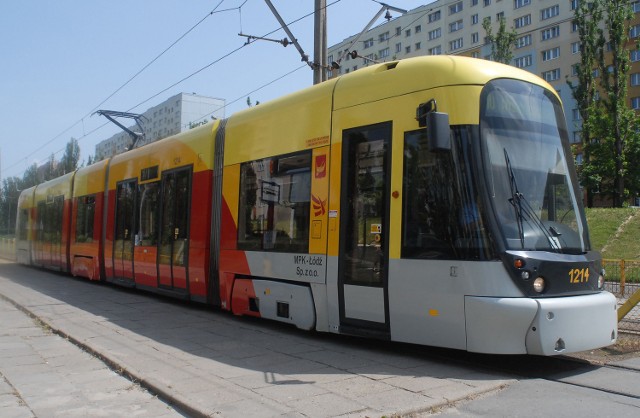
[321,166]
[319,205]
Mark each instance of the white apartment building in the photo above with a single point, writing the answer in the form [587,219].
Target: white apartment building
[176,114]
[547,43]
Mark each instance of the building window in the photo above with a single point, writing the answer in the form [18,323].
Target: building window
[575,48]
[455,26]
[418,29]
[574,4]
[398,31]
[407,49]
[487,3]
[383,37]
[634,31]
[383,53]
[398,48]
[576,114]
[523,62]
[523,41]
[455,44]
[636,6]
[368,43]
[475,38]
[474,3]
[520,3]
[434,16]
[550,54]
[635,103]
[522,21]
[552,75]
[418,46]
[435,34]
[550,33]
[634,55]
[455,8]
[407,33]
[474,19]
[436,50]
[549,12]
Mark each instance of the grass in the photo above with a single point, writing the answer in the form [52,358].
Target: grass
[615,232]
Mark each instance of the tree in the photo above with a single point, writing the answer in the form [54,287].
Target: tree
[31,177]
[69,162]
[501,42]
[610,129]
[587,20]
[11,188]
[621,132]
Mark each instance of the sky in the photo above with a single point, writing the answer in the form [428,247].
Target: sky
[63,60]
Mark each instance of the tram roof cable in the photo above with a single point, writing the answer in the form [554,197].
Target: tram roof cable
[214,11]
[162,91]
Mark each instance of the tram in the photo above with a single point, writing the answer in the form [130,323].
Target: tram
[431,200]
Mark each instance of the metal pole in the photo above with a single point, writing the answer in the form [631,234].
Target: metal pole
[320,42]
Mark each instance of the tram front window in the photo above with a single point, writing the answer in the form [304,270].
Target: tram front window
[528,169]
[442,215]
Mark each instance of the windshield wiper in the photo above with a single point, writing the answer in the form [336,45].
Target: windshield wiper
[522,208]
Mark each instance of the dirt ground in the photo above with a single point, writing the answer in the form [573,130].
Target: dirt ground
[627,346]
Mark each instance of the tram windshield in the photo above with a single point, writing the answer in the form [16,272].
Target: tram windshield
[525,154]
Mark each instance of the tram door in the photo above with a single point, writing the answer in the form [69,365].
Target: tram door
[125,227]
[364,220]
[173,254]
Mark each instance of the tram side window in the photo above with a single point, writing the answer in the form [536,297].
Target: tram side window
[50,220]
[85,218]
[148,210]
[23,232]
[275,204]
[441,216]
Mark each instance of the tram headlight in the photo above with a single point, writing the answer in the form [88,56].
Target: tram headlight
[539,284]
[600,282]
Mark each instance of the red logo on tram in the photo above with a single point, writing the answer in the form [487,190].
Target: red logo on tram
[319,206]
[321,166]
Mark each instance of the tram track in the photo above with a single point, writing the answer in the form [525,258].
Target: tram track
[615,379]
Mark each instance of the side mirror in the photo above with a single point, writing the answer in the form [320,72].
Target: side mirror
[438,132]
[437,126]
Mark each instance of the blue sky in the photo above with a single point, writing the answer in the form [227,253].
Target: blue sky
[62,59]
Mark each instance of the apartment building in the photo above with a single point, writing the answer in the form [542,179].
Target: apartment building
[547,43]
[176,114]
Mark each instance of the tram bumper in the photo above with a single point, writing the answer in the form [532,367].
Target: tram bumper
[540,326]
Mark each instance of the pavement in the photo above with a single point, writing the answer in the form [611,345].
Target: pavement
[69,347]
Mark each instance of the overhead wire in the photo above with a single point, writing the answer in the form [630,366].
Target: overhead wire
[177,82]
[81,120]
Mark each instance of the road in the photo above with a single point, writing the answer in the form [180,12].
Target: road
[71,347]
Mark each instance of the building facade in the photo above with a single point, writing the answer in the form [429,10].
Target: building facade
[176,114]
[547,43]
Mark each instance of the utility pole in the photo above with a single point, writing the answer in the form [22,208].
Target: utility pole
[320,42]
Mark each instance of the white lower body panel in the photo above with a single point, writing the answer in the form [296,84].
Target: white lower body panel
[540,326]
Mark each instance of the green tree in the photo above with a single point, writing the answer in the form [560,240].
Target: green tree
[11,188]
[587,20]
[70,158]
[502,42]
[621,131]
[31,176]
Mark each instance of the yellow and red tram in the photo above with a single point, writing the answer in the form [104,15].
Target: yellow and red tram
[430,200]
